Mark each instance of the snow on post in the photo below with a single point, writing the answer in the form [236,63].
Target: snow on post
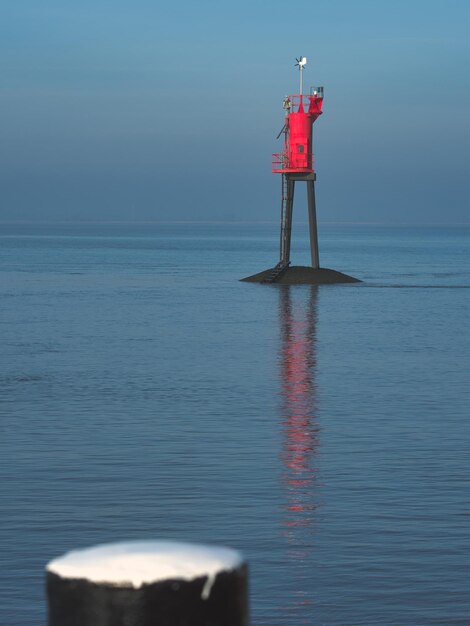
[148,583]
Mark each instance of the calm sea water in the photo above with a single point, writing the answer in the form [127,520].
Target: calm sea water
[146,393]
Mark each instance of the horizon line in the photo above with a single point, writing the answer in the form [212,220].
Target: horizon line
[233,222]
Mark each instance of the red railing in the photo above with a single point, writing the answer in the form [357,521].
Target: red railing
[280,161]
[296,99]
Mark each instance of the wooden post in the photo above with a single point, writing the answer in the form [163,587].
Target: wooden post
[148,583]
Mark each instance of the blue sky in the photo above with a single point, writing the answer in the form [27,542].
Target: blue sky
[114,110]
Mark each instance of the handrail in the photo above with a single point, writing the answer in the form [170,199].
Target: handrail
[280,163]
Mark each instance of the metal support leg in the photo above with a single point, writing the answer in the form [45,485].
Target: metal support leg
[286,218]
[282,243]
[312,221]
[290,209]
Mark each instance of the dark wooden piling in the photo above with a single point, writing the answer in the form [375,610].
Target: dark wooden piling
[148,584]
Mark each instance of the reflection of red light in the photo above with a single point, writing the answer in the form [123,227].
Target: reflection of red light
[298,482]
[300,427]
[298,394]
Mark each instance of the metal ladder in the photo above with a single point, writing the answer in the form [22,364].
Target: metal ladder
[276,272]
[286,226]
[285,222]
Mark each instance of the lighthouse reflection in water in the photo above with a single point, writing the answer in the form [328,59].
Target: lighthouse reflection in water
[300,437]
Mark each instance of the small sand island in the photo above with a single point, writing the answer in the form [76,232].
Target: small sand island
[300,275]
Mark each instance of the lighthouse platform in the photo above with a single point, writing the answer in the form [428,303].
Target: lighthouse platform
[300,275]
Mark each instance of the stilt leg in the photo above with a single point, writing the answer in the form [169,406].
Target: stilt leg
[290,209]
[312,220]
[282,242]
[286,218]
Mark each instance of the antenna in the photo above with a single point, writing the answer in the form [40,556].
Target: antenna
[301,61]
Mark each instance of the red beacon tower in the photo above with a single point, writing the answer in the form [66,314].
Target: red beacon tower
[295,163]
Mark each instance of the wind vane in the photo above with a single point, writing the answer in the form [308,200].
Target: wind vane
[301,62]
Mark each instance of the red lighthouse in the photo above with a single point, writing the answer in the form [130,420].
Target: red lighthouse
[295,163]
